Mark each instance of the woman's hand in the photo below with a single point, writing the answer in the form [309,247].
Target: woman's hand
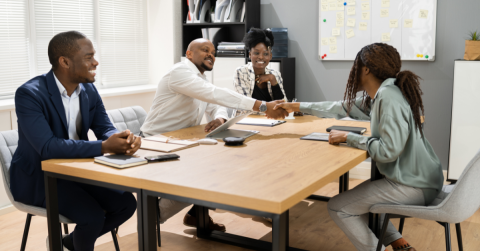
[336,137]
[289,107]
[261,80]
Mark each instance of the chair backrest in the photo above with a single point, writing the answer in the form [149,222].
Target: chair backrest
[463,201]
[131,118]
[8,146]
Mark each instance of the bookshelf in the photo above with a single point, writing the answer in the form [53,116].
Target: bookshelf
[229,32]
[234,32]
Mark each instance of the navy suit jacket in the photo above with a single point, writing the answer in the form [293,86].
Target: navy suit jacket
[43,133]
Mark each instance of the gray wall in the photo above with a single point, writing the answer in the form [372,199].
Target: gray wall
[320,81]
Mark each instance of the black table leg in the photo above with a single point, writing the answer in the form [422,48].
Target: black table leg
[202,221]
[346,181]
[140,220]
[280,232]
[372,220]
[51,196]
[149,224]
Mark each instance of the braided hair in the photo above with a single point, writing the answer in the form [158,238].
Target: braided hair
[256,36]
[384,62]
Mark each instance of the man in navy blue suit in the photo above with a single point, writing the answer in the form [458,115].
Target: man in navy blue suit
[55,112]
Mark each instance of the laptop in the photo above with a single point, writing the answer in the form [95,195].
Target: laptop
[223,131]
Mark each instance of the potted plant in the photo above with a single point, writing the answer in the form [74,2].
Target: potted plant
[472,46]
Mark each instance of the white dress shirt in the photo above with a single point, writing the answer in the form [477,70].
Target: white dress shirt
[72,110]
[184,95]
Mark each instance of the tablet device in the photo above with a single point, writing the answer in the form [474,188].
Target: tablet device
[223,131]
[357,130]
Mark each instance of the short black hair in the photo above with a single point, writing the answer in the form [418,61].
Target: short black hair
[63,44]
[256,36]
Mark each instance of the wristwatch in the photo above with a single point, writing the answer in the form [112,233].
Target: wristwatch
[263,107]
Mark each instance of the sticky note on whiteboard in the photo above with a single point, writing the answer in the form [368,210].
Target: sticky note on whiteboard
[385,3]
[340,6]
[340,15]
[332,41]
[393,23]
[324,41]
[366,6]
[366,15]
[333,49]
[351,2]
[384,13]
[324,7]
[423,14]
[385,37]
[332,6]
[351,22]
[350,33]
[408,23]
[335,32]
[351,11]
[340,22]
[362,26]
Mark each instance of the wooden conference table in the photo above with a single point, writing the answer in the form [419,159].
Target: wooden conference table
[273,171]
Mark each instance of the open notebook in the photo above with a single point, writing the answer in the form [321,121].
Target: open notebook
[164,144]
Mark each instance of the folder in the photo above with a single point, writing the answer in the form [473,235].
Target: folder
[227,11]
[220,9]
[242,17]
[236,11]
[357,130]
[204,14]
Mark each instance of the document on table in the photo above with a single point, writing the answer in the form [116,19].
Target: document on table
[260,122]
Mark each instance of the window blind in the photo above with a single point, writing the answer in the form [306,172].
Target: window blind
[55,16]
[123,42]
[14,46]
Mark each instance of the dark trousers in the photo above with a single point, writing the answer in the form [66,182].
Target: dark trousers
[95,210]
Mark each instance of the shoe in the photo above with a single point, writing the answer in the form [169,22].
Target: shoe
[191,221]
[63,247]
[268,219]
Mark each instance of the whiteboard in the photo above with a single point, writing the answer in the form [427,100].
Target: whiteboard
[407,25]
[464,136]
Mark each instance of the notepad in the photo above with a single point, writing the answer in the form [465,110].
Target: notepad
[260,122]
[319,136]
[120,161]
[164,144]
[357,130]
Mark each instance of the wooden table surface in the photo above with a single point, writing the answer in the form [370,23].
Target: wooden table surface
[271,172]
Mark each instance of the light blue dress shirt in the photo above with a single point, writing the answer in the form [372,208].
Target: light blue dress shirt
[72,110]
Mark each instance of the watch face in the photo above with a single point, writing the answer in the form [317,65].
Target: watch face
[263,108]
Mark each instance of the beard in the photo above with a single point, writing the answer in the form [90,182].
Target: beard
[207,68]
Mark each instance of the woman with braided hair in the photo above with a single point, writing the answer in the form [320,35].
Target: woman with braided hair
[392,102]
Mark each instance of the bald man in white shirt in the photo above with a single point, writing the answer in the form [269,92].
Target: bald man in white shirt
[183,95]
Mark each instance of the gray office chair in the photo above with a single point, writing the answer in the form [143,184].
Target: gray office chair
[8,145]
[454,204]
[131,118]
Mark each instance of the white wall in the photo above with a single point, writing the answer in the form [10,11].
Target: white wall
[161,37]
[164,50]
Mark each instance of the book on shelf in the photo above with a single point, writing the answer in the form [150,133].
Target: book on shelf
[231,43]
[230,52]
[230,47]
